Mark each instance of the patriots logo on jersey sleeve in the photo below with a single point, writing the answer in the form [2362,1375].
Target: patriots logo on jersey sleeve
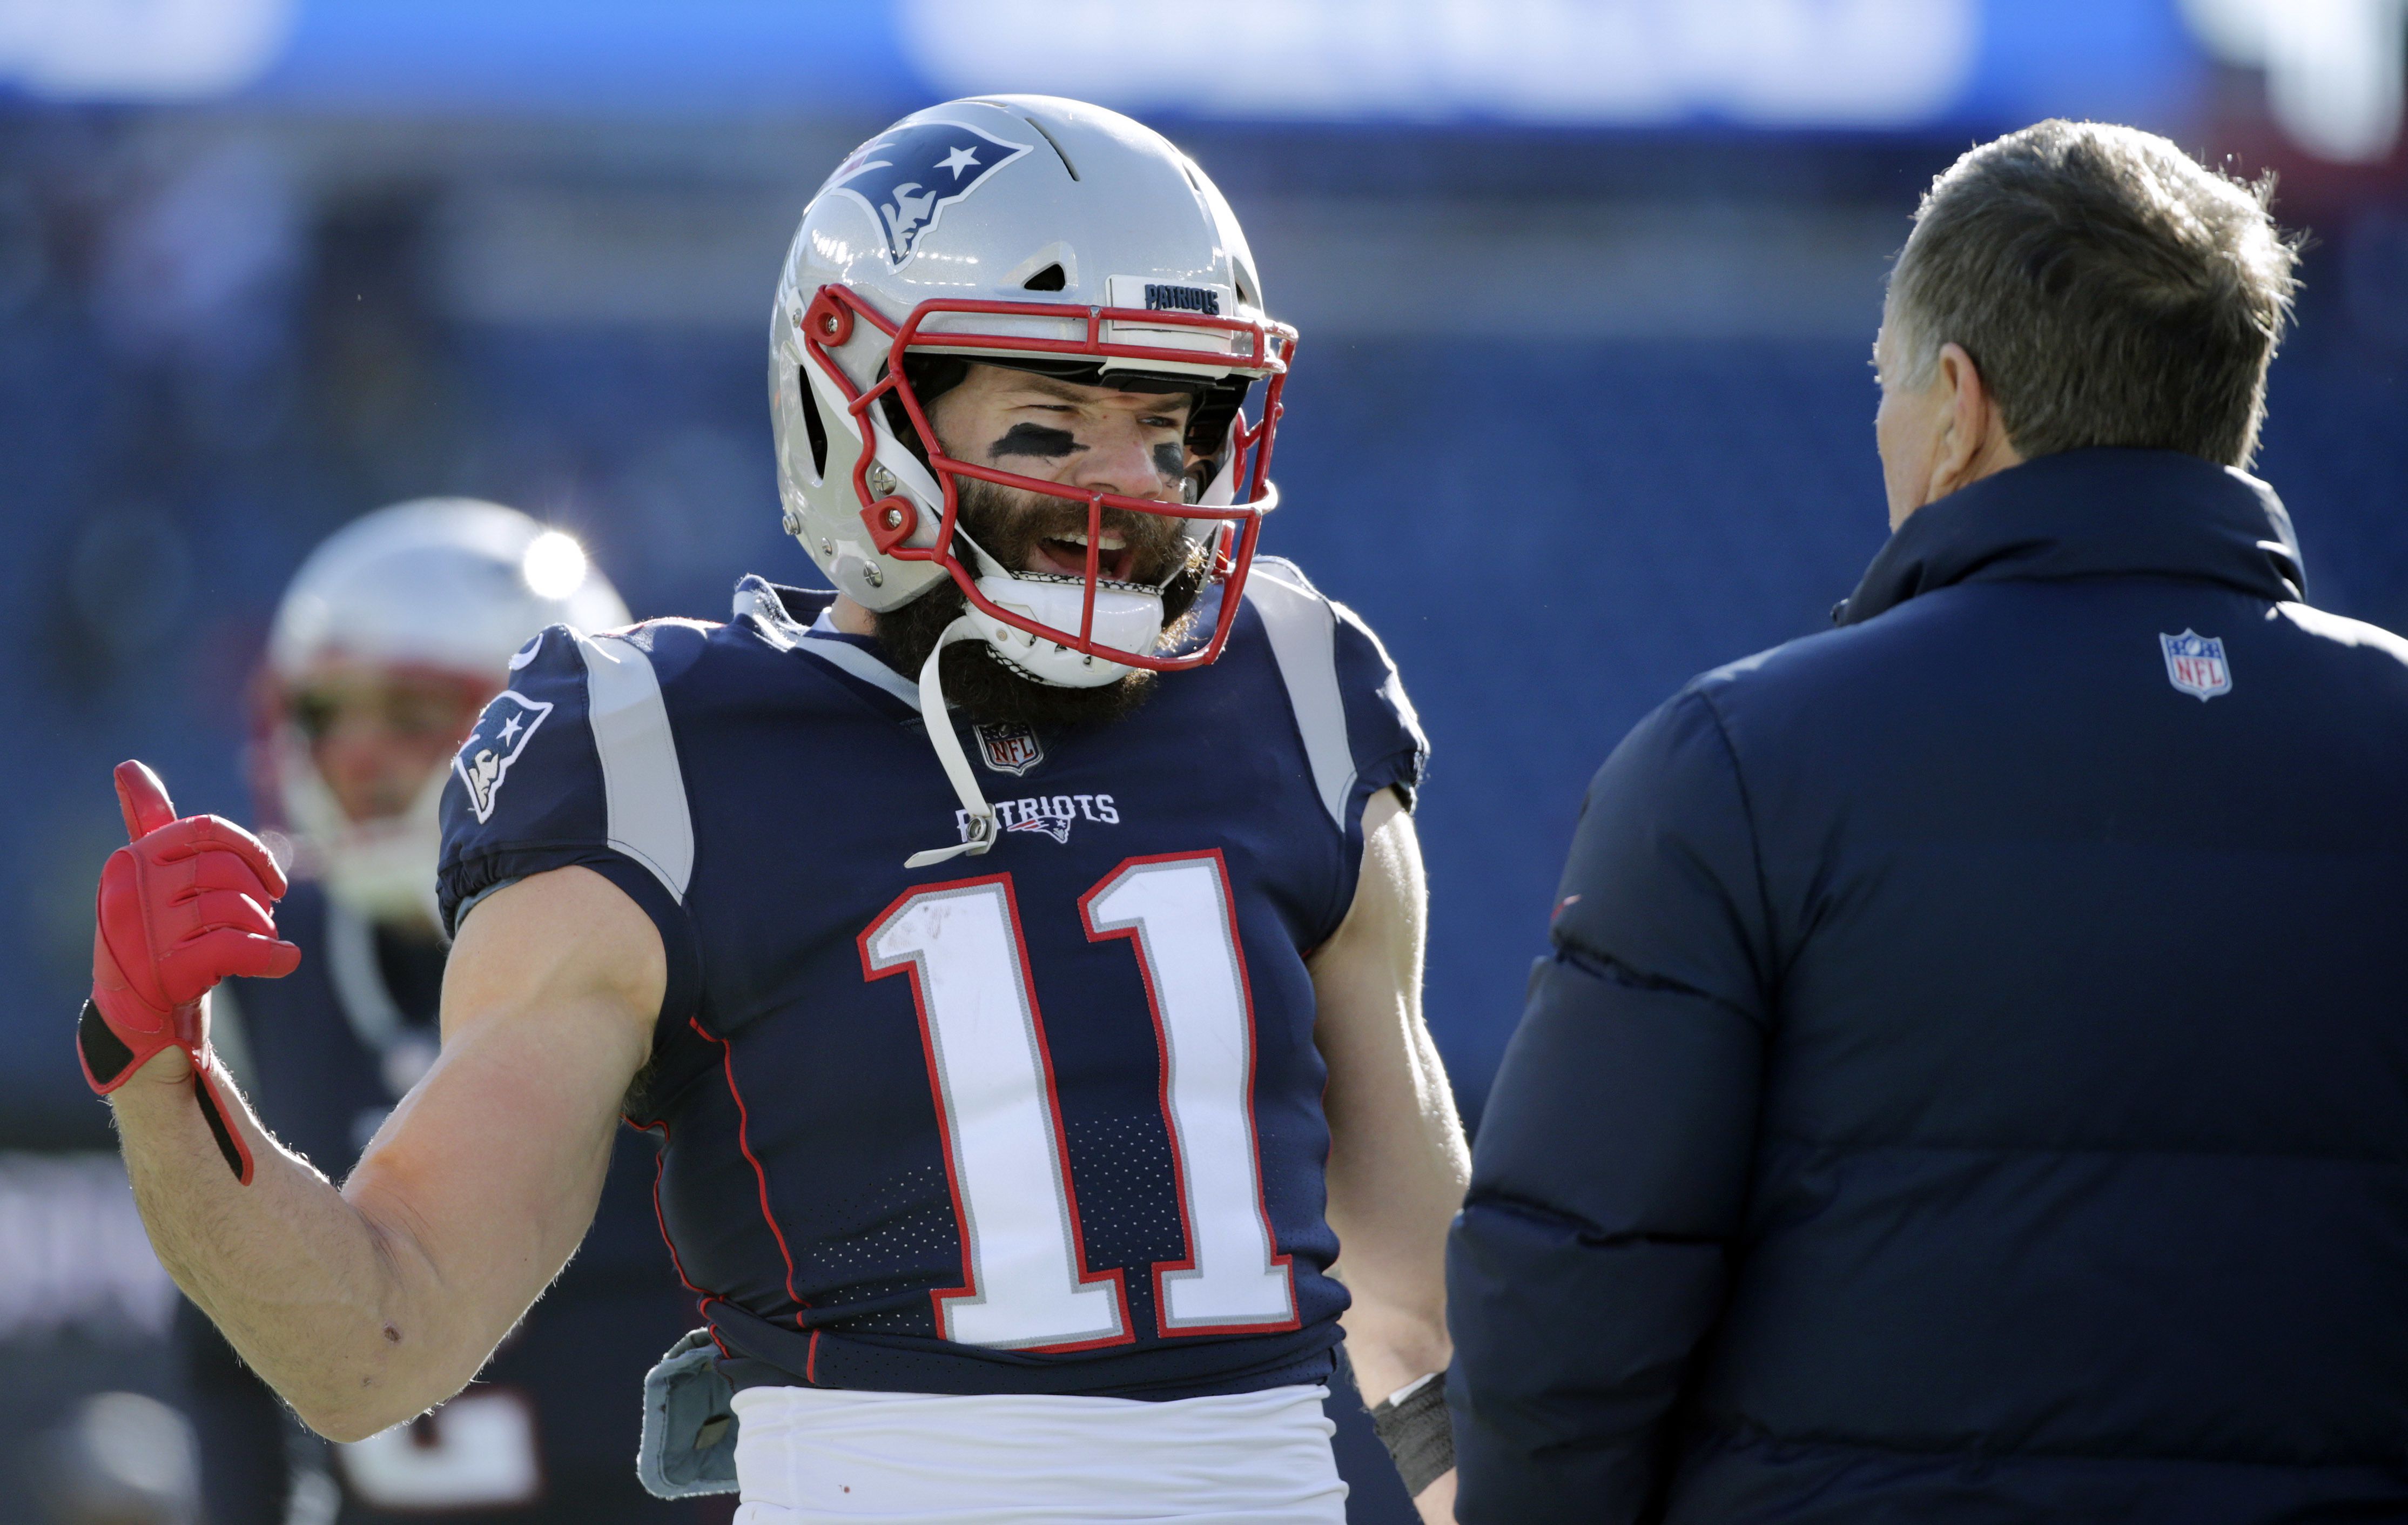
[502,733]
[908,177]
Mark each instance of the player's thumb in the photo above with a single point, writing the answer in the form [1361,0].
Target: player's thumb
[143,799]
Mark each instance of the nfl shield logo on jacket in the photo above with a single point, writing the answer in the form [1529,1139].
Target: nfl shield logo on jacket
[2194,665]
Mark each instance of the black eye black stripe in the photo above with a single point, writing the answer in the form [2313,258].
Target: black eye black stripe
[1033,439]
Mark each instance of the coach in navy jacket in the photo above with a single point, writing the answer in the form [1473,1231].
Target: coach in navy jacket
[1970,1083]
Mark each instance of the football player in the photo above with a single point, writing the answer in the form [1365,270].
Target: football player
[388,641]
[1017,948]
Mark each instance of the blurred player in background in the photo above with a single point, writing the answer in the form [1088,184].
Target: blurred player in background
[1012,1142]
[392,636]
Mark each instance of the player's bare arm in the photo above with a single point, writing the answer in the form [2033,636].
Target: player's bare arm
[367,1305]
[1397,1161]
[391,640]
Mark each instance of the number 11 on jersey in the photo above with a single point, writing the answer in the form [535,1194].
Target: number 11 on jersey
[1176,913]
[1027,1283]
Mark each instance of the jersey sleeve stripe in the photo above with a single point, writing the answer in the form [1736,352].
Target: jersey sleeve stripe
[1303,637]
[643,789]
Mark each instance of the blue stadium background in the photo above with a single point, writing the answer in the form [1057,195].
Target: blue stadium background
[1582,409]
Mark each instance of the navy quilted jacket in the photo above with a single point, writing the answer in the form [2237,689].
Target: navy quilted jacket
[1970,1083]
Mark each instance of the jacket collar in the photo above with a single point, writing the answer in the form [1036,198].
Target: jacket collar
[2092,514]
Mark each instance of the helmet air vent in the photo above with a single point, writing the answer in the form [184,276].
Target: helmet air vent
[813,429]
[1049,279]
[1057,147]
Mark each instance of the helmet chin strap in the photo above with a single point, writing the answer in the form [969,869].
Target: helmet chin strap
[949,751]
[980,815]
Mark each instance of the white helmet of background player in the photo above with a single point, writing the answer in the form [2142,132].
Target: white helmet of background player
[438,593]
[1032,231]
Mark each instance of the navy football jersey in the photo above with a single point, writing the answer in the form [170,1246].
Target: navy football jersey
[548,1432]
[1044,1120]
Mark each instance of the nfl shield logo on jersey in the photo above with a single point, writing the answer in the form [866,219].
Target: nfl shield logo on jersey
[1009,748]
[502,733]
[2194,665]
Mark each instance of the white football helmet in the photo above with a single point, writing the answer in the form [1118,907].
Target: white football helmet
[1027,230]
[446,588]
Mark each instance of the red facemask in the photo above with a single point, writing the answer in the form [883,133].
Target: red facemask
[894,519]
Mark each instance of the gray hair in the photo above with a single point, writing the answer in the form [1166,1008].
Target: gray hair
[2110,290]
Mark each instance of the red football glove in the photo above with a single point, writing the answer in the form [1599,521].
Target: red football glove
[180,908]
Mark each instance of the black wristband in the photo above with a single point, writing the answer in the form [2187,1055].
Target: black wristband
[105,1054]
[1417,1433]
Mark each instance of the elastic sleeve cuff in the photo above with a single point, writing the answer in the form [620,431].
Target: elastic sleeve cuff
[1400,771]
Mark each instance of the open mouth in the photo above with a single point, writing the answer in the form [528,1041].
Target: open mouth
[1065,556]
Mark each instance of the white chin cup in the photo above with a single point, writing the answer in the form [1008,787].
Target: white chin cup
[1126,618]
[382,869]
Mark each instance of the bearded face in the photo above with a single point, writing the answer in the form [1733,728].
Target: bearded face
[1128,441]
[1028,530]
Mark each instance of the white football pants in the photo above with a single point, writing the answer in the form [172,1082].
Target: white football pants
[807,1455]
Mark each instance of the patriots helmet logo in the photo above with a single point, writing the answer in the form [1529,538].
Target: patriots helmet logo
[907,176]
[502,733]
